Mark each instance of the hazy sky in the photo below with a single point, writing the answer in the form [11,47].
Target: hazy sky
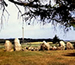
[12,28]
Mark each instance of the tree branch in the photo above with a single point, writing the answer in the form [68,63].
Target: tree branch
[28,4]
[22,4]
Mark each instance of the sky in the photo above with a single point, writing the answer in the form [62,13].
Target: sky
[12,28]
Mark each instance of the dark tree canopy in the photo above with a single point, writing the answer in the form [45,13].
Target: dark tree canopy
[56,39]
[60,12]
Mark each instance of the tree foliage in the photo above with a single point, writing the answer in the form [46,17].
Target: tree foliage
[60,12]
[56,39]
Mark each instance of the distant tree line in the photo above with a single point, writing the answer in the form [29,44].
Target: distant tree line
[55,39]
[27,40]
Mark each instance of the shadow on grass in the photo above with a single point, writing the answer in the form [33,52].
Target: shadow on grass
[70,54]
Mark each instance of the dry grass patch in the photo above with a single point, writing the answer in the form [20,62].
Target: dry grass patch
[52,57]
[58,57]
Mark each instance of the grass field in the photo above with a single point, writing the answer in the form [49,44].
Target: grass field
[52,57]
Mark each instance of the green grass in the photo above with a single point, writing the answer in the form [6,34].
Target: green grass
[36,44]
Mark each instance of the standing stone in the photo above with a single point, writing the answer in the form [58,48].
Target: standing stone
[44,46]
[69,45]
[62,45]
[8,45]
[17,44]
